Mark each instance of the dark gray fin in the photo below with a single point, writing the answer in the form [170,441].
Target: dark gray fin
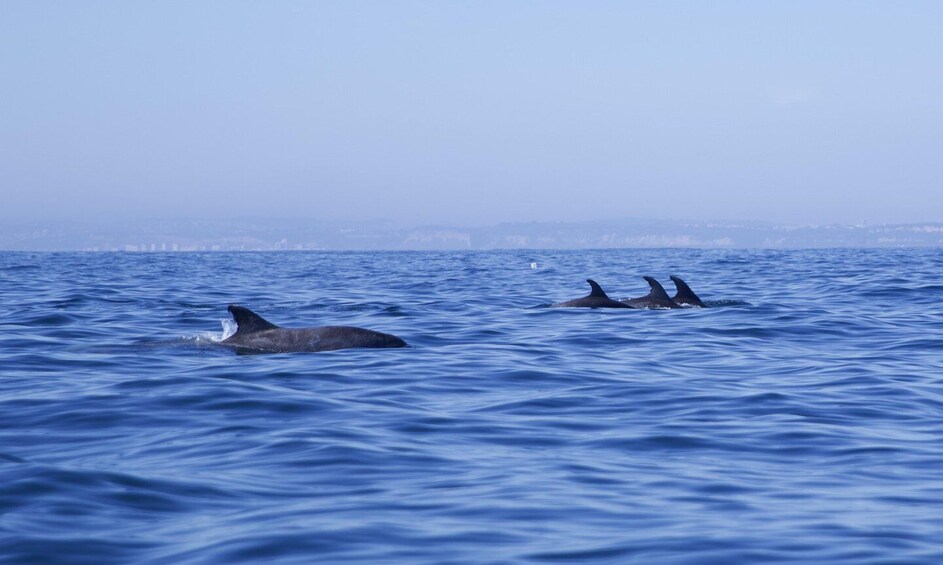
[597,290]
[658,291]
[685,295]
[247,321]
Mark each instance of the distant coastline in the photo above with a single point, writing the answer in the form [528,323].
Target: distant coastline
[256,234]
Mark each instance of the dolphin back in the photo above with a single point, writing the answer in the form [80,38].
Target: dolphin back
[685,295]
[597,298]
[596,291]
[255,333]
[656,297]
[657,291]
[247,321]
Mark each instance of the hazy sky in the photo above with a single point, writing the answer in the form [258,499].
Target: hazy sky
[472,112]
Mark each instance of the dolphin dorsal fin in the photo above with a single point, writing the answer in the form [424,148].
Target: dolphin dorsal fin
[597,290]
[658,291]
[684,291]
[247,321]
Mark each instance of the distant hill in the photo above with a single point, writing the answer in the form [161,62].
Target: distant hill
[254,234]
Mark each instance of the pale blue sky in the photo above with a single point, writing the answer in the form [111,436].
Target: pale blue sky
[472,112]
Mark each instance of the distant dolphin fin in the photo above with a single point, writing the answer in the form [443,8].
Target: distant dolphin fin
[685,294]
[597,290]
[247,321]
[658,291]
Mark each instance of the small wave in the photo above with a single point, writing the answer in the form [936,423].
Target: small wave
[726,302]
[13,268]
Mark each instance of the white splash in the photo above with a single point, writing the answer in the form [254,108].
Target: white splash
[229,328]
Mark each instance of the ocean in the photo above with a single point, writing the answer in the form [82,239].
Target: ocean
[797,420]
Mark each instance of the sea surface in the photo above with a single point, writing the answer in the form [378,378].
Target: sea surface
[798,420]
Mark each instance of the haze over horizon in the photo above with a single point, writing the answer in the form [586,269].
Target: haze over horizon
[472,114]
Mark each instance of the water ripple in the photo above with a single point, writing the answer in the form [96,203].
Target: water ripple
[797,420]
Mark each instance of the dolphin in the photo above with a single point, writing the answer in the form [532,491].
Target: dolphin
[656,298]
[256,333]
[596,299]
[685,296]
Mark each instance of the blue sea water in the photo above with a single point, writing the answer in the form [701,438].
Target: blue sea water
[799,420]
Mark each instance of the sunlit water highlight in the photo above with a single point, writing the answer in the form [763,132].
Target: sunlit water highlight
[799,420]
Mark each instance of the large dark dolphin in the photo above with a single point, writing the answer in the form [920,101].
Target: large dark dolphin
[685,296]
[656,298]
[256,333]
[596,299]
